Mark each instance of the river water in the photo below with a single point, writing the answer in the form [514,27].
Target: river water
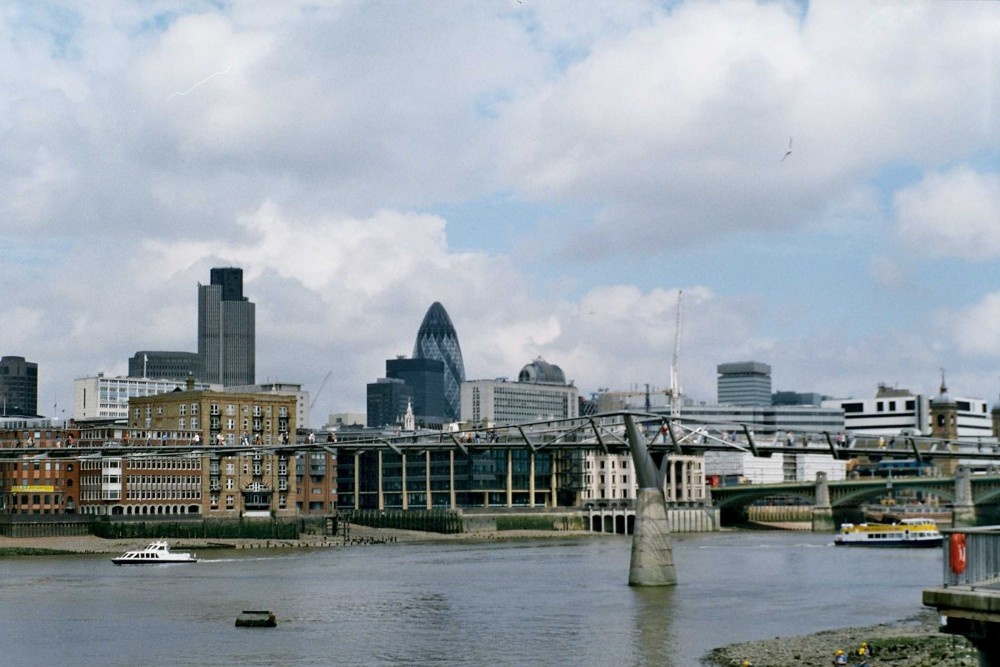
[549,601]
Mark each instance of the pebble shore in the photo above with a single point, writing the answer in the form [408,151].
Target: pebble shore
[912,642]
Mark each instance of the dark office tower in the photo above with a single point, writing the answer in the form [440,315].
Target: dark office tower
[18,387]
[226,330]
[387,399]
[161,365]
[437,339]
[425,380]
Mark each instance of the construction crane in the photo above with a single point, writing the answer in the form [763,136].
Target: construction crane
[675,388]
[320,390]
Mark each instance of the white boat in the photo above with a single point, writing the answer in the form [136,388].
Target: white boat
[154,554]
[915,532]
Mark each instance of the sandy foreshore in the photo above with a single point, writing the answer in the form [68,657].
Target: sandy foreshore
[359,535]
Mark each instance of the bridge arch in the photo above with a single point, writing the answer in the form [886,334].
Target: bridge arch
[855,497]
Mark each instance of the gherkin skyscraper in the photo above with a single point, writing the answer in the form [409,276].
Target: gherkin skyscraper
[437,339]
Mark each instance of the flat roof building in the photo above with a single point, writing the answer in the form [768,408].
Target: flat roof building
[165,365]
[744,383]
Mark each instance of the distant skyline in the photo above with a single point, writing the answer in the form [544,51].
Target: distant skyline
[552,172]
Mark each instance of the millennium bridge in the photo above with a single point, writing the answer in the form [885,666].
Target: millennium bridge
[650,439]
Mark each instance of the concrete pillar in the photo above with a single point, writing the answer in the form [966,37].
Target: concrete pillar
[381,496]
[402,473]
[451,479]
[357,478]
[427,480]
[552,480]
[964,508]
[531,478]
[510,478]
[652,562]
[822,514]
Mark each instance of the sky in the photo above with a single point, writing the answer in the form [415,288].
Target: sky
[820,181]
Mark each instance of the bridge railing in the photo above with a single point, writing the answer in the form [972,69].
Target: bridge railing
[972,557]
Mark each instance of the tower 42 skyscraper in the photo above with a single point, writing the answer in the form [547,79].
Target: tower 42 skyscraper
[226,330]
[437,339]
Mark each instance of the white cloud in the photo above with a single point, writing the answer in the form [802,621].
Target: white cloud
[951,214]
[976,329]
[146,143]
[675,129]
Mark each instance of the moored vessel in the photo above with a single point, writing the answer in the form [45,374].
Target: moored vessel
[915,532]
[154,554]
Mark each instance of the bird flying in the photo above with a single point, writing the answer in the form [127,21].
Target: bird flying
[789,151]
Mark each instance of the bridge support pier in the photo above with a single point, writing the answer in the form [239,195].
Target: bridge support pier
[822,514]
[652,561]
[963,510]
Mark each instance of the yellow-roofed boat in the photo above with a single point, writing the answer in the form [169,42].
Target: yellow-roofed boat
[915,532]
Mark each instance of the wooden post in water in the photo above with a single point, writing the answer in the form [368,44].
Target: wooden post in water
[652,561]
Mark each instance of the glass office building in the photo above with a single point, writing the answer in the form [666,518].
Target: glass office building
[436,339]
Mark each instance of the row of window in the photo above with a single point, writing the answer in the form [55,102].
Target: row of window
[185,494]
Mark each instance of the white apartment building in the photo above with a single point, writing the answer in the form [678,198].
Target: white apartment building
[540,393]
[609,478]
[900,412]
[103,397]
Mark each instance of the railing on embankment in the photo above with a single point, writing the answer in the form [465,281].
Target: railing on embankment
[434,521]
[972,557]
[45,525]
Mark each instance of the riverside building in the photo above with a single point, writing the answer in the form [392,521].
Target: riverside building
[500,478]
[254,483]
